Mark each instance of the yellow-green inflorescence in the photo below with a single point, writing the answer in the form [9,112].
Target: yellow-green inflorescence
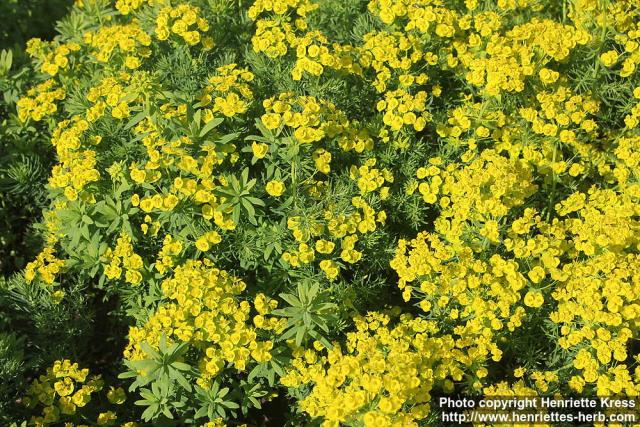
[461,177]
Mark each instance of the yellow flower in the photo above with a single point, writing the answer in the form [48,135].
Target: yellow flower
[120,111]
[259,149]
[330,268]
[146,205]
[548,76]
[57,296]
[271,120]
[116,396]
[132,62]
[106,418]
[64,387]
[66,406]
[576,169]
[213,237]
[536,274]
[533,299]
[609,58]
[322,159]
[275,188]
[202,244]
[324,246]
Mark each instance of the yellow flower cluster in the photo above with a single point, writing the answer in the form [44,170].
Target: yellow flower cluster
[125,7]
[171,248]
[272,37]
[52,59]
[109,93]
[402,108]
[264,306]
[210,238]
[45,266]
[61,391]
[228,91]
[632,120]
[382,376]
[313,55]
[40,101]
[342,227]
[281,7]
[619,16]
[597,308]
[277,35]
[631,53]
[598,305]
[208,314]
[473,123]
[509,176]
[563,114]
[627,155]
[386,52]
[130,42]
[191,173]
[356,139]
[371,179]
[499,63]
[123,257]
[481,192]
[480,296]
[416,15]
[184,21]
[595,296]
[311,119]
[606,220]
[505,390]
[74,173]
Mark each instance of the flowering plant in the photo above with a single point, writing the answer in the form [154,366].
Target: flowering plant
[342,207]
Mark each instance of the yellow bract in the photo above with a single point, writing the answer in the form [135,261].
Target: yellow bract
[207,313]
[61,391]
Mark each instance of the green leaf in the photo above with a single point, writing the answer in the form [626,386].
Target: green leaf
[249,207]
[213,123]
[149,350]
[202,412]
[182,380]
[291,299]
[136,119]
[299,336]
[227,138]
[150,412]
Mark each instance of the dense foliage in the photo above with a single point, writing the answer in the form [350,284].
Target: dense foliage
[25,157]
[24,19]
[298,212]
